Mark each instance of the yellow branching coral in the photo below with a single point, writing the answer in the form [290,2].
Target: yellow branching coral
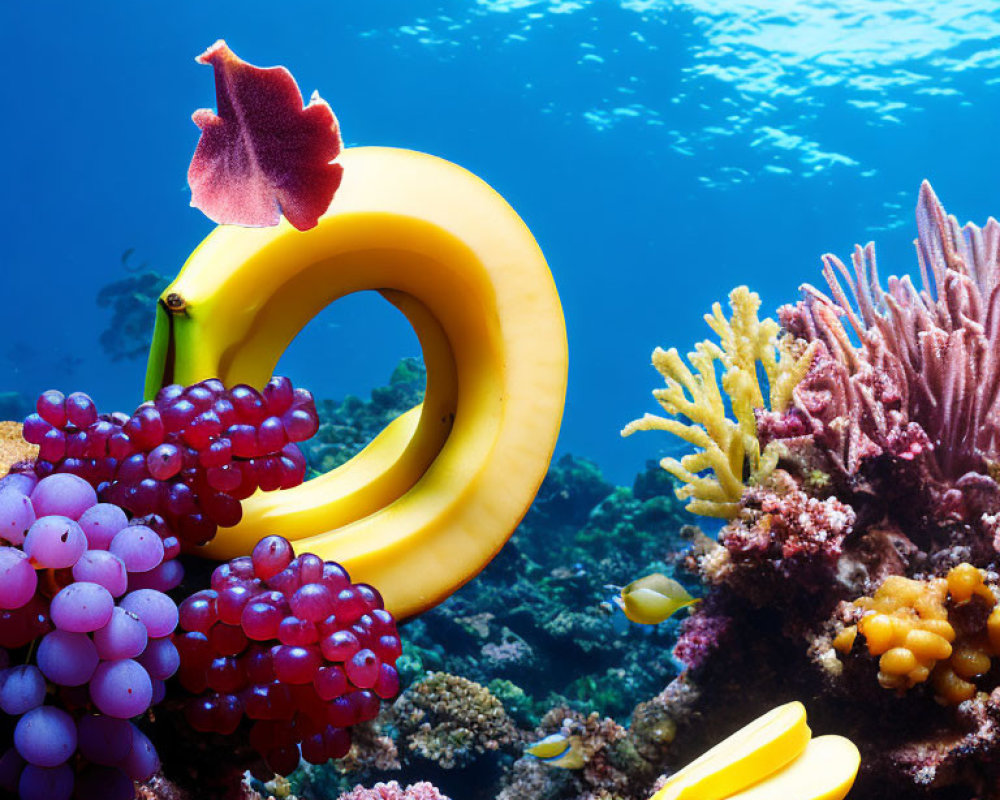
[906,623]
[727,448]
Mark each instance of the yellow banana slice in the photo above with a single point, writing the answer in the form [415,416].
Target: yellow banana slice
[751,754]
[825,771]
[429,502]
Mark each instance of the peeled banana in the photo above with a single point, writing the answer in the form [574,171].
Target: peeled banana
[430,501]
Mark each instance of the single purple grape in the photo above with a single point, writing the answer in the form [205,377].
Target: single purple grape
[124,636]
[140,548]
[163,462]
[82,607]
[121,689]
[45,736]
[18,580]
[156,610]
[80,410]
[16,513]
[107,569]
[22,688]
[51,406]
[55,542]
[22,482]
[271,555]
[67,659]
[63,494]
[160,658]
[142,761]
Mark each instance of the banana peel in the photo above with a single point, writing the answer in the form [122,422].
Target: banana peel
[824,771]
[751,754]
[433,497]
[772,757]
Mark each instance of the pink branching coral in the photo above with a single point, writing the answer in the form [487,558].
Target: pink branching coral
[926,376]
[393,791]
[853,407]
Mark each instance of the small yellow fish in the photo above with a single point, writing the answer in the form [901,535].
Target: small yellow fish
[558,750]
[651,600]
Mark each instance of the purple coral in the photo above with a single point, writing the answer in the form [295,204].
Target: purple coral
[393,791]
[701,635]
[925,379]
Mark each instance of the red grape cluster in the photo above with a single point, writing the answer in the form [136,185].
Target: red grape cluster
[190,456]
[80,584]
[290,643]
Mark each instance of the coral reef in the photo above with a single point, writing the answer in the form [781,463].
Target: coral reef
[866,559]
[782,537]
[727,447]
[393,791]
[611,766]
[530,628]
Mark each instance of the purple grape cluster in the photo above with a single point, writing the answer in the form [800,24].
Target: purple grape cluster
[189,457]
[82,584]
[290,643]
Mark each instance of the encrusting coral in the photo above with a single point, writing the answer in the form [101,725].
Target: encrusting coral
[728,447]
[393,791]
[781,537]
[612,767]
[450,720]
[13,448]
[946,629]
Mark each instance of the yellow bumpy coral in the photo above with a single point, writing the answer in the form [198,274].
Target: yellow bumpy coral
[727,448]
[906,623]
[908,628]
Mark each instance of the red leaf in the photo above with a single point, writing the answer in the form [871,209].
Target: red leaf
[262,154]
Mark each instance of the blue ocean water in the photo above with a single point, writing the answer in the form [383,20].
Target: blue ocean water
[661,152]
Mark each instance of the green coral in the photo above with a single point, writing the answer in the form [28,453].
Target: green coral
[518,703]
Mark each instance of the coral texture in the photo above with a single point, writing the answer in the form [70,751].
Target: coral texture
[13,448]
[612,768]
[450,720]
[727,447]
[946,629]
[393,791]
[783,537]
[923,384]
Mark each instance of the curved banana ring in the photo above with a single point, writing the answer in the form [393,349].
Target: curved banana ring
[429,502]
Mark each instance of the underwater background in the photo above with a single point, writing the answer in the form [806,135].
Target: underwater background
[661,154]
